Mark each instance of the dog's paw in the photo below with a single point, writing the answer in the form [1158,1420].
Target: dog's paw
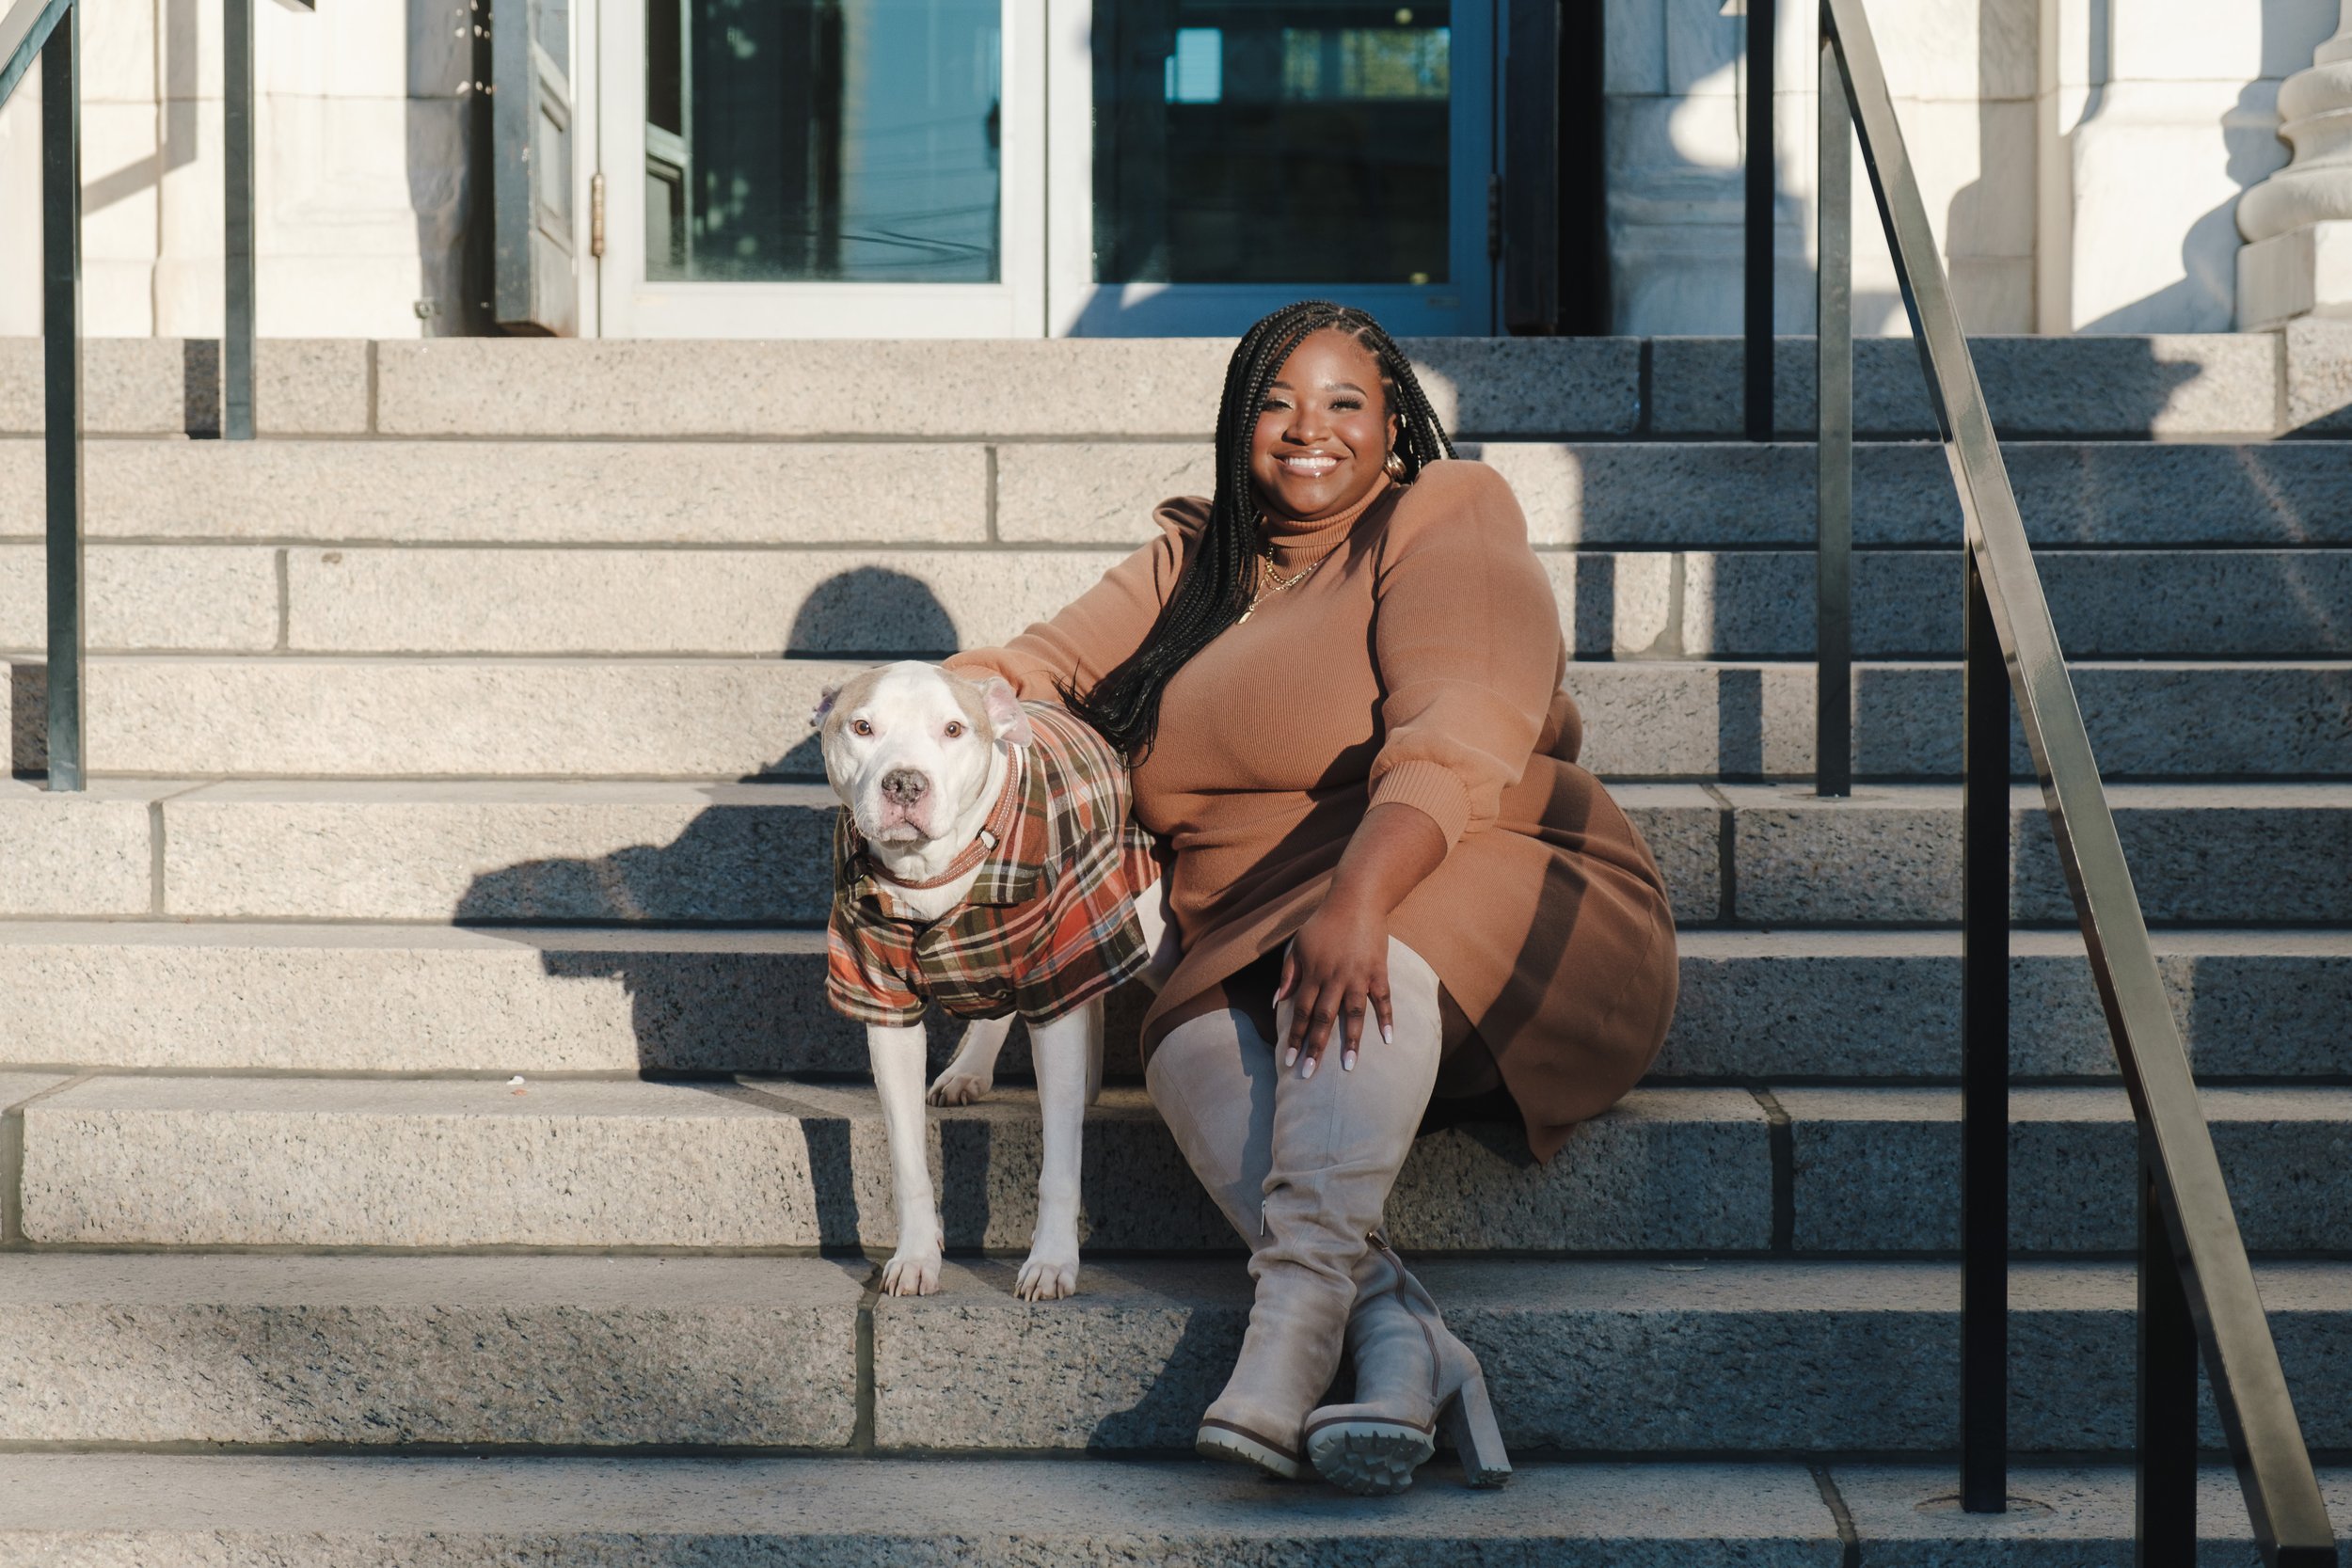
[1047,1277]
[911,1274]
[960,1088]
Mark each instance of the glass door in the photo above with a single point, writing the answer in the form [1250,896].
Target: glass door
[1215,159]
[1017,169]
[822,167]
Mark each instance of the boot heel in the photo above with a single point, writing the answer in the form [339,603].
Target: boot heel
[1468,1420]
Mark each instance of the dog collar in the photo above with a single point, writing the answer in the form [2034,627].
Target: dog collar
[991,834]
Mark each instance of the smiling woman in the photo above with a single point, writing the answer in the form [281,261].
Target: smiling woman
[1337,682]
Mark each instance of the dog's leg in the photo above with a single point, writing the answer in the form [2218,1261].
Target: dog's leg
[1060,1049]
[898,1058]
[973,1072]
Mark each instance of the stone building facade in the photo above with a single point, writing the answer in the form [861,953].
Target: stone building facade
[1046,168]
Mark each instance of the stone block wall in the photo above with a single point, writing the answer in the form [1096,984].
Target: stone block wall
[2080,159]
[360,182]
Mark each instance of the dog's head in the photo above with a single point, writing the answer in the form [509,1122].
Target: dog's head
[906,746]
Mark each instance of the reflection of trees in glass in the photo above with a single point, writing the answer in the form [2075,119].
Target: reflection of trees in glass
[1237,141]
[823,139]
[1331,63]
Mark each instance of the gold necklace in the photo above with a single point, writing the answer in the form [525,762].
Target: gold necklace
[1270,583]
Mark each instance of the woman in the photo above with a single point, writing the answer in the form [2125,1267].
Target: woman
[1336,683]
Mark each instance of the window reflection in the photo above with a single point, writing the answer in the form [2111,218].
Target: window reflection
[792,140]
[1240,142]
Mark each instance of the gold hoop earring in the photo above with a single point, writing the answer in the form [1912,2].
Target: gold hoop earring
[1395,467]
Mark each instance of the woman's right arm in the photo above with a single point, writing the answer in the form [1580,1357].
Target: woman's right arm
[1100,630]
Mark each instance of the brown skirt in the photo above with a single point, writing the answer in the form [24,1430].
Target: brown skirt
[1568,981]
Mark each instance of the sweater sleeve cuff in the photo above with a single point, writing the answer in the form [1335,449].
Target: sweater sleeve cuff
[1431,789]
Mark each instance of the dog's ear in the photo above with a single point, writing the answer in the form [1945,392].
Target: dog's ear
[825,700]
[1006,715]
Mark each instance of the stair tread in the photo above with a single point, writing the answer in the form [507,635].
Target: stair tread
[765,1163]
[721,716]
[757,1096]
[539,490]
[1604,1286]
[450,1509]
[1779,1357]
[1713,942]
[319,1510]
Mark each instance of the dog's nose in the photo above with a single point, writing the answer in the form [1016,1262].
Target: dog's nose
[905,786]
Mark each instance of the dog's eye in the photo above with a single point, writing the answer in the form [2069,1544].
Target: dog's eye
[859,726]
[955,728]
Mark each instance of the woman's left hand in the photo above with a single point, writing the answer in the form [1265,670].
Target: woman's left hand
[1336,971]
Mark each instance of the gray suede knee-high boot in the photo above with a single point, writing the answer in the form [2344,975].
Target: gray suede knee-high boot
[1333,1147]
[1412,1375]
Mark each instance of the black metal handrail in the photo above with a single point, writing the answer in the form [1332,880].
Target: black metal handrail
[50,31]
[2196,1287]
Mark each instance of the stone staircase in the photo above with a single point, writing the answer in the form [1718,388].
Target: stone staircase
[454,732]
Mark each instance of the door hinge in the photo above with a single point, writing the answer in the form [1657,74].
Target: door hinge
[596,214]
[1494,218]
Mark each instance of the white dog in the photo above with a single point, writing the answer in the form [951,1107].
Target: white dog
[985,861]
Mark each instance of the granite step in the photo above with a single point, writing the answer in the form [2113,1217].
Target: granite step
[541,852]
[816,600]
[1628,495]
[761,1354]
[322,716]
[200,1511]
[2180,386]
[769,1163]
[822,600]
[186,1510]
[775,1163]
[325,998]
[664,601]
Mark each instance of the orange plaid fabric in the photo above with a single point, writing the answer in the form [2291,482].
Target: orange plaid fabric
[1050,922]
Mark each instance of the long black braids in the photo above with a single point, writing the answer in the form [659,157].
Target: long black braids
[1215,590]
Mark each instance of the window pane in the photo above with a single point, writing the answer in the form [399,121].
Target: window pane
[822,139]
[1240,142]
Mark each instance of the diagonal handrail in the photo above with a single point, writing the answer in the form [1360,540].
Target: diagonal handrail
[22,31]
[2191,1243]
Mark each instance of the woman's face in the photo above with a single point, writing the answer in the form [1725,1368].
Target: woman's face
[1324,429]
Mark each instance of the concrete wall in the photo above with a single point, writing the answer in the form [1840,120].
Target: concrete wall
[2155,115]
[360,176]
[2079,158]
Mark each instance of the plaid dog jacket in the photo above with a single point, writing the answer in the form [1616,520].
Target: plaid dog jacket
[1049,923]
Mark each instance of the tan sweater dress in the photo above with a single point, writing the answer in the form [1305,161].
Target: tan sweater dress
[1419,664]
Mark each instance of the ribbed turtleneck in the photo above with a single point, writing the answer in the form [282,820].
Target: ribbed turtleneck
[1294,543]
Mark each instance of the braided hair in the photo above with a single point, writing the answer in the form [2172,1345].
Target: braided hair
[1215,590]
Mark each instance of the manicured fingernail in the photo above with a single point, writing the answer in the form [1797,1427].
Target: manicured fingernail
[1387,1037]
[1292,1059]
[1309,1070]
[1347,1060]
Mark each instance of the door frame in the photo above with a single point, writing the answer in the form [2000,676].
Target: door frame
[633,307]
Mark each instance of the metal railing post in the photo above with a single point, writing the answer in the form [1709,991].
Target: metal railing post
[1762,24]
[2165,1509]
[1984,1061]
[236,109]
[61,358]
[1833,512]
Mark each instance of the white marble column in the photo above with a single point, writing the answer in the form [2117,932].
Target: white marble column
[2298,261]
